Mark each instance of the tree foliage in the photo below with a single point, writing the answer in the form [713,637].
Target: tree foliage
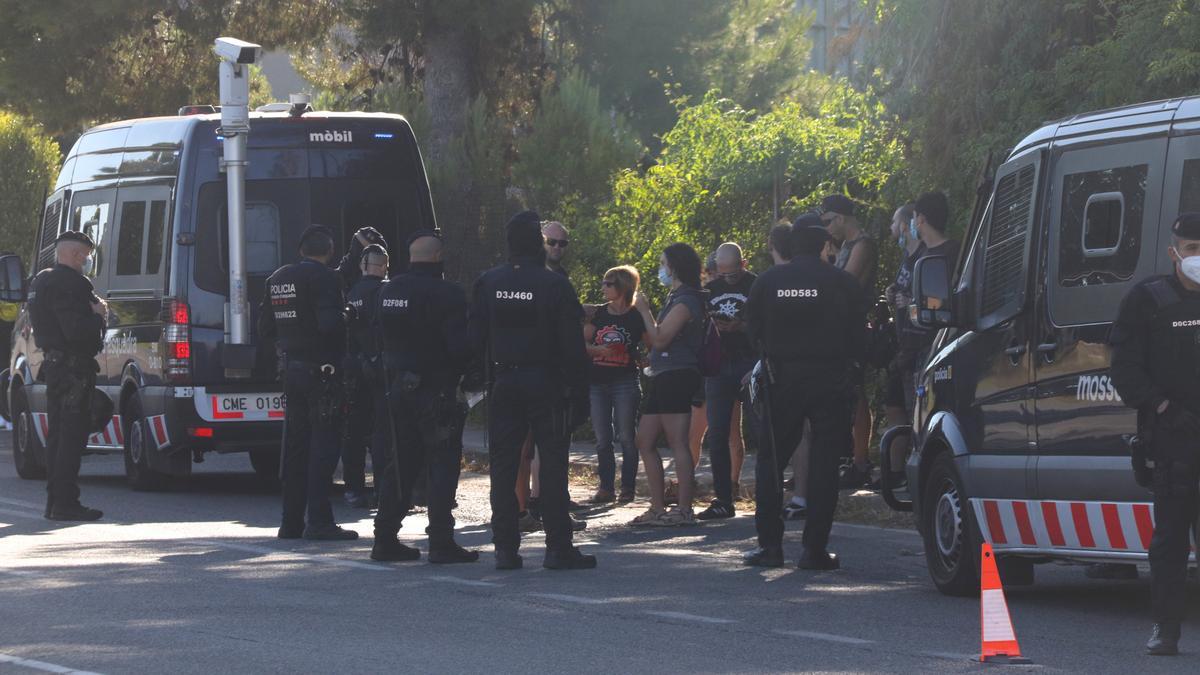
[726,173]
[28,171]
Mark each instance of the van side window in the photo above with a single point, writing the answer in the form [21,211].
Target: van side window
[51,224]
[156,230]
[1006,249]
[1101,226]
[93,219]
[1189,190]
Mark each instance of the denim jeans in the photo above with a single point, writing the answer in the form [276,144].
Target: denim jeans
[721,393]
[614,415]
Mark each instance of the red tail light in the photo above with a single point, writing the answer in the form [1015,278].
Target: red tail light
[200,432]
[177,336]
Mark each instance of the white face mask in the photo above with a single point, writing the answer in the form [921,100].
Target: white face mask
[89,265]
[1190,266]
[664,276]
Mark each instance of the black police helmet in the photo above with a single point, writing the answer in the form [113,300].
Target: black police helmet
[524,234]
[78,237]
[100,410]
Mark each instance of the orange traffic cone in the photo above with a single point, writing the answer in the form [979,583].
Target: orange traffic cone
[999,639]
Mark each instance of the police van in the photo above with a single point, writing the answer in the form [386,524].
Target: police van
[152,194]
[1019,437]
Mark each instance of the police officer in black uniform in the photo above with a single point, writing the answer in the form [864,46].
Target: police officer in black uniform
[349,268]
[525,321]
[1156,369]
[809,318]
[422,324]
[304,310]
[366,415]
[68,326]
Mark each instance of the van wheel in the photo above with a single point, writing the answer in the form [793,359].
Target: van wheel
[137,448]
[950,543]
[266,466]
[28,452]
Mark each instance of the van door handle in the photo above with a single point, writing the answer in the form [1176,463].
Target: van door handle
[1015,350]
[1047,347]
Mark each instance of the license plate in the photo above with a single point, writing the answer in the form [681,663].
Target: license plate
[247,406]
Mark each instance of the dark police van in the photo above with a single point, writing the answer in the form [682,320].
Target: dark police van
[1020,436]
[152,194]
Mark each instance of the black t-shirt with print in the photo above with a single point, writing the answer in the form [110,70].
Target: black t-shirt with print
[622,333]
[728,301]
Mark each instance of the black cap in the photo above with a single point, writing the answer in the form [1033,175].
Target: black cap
[313,230]
[421,234]
[839,204]
[809,219]
[1187,226]
[80,237]
[524,234]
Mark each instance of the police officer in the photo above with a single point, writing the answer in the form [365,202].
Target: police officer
[68,326]
[304,310]
[366,415]
[350,268]
[809,319]
[525,321]
[422,324]
[1156,369]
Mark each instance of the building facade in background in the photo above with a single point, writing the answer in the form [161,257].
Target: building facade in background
[839,35]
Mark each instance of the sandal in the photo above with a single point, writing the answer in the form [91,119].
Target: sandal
[650,518]
[678,518]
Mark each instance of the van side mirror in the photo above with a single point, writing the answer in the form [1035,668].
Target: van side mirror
[12,279]
[931,306]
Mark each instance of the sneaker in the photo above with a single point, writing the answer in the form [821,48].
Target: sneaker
[852,477]
[650,518]
[603,497]
[527,522]
[716,511]
[794,511]
[626,497]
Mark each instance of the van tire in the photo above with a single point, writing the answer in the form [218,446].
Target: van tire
[28,453]
[266,466]
[137,461]
[951,545]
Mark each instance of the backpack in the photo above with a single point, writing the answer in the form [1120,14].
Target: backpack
[882,341]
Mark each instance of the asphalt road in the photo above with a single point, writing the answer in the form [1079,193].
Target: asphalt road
[194,581]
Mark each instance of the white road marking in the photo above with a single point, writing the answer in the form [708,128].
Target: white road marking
[464,582]
[570,598]
[18,502]
[826,637]
[41,665]
[684,616]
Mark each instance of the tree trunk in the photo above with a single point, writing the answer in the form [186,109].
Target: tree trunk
[447,87]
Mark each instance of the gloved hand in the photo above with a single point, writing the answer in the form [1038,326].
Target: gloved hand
[365,236]
[1179,419]
[1139,460]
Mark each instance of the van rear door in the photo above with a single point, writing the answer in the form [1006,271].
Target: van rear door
[1105,213]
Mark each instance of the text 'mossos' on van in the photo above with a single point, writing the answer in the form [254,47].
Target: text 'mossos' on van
[1019,434]
[152,194]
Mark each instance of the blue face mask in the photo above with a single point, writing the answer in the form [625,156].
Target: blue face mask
[664,277]
[912,228]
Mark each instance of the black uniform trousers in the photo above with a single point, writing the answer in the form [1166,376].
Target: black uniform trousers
[364,425]
[523,400]
[1176,488]
[825,399]
[310,449]
[428,427]
[68,393]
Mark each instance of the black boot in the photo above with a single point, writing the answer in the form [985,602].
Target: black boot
[1164,641]
[570,559]
[391,550]
[508,560]
[449,553]
[74,512]
[818,560]
[767,556]
[329,532]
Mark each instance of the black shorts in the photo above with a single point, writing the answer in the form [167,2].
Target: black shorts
[671,393]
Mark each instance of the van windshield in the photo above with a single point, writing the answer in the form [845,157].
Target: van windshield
[277,211]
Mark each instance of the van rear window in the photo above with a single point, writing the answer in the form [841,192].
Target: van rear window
[1101,228]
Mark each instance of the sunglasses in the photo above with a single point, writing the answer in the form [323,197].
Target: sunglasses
[559,243]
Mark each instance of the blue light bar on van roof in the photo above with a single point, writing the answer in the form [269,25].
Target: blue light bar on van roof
[383,135]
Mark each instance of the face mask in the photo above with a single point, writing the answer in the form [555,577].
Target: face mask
[912,229]
[89,265]
[1190,266]
[664,276]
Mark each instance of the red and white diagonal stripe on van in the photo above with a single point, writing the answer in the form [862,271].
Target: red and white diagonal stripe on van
[158,430]
[110,436]
[1124,527]
[41,424]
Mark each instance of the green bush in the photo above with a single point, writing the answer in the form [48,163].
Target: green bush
[28,166]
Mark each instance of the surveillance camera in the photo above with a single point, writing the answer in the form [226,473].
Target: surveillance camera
[234,50]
